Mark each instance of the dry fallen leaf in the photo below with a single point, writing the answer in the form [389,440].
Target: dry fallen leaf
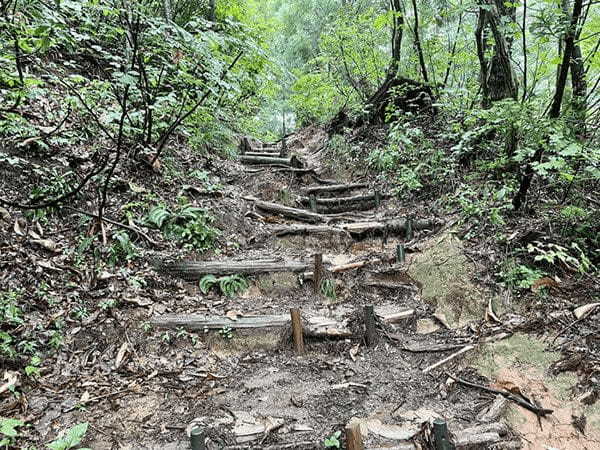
[354,351]
[583,311]
[47,244]
[12,380]
[508,386]
[120,355]
[85,397]
[544,282]
[17,228]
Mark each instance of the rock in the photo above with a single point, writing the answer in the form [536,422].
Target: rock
[426,326]
[4,214]
[588,398]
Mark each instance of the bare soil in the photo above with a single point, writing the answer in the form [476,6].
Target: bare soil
[143,388]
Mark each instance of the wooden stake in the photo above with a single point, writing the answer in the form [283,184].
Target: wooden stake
[440,432]
[370,326]
[313,203]
[400,254]
[197,439]
[409,229]
[354,437]
[377,199]
[318,273]
[297,330]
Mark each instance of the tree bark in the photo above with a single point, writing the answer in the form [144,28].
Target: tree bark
[418,43]
[194,270]
[497,77]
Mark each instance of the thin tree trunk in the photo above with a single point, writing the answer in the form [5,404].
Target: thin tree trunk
[212,10]
[556,101]
[418,43]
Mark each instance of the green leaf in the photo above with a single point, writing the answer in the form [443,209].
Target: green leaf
[8,427]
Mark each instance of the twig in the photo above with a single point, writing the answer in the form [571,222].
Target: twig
[449,358]
[518,400]
[118,224]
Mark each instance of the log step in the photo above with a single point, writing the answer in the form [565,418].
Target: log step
[253,160]
[332,188]
[286,211]
[358,228]
[194,270]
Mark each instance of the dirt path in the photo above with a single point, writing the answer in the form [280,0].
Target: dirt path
[141,387]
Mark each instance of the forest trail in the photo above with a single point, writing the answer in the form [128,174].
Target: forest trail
[429,319]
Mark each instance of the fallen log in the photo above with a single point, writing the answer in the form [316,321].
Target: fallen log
[336,201]
[390,226]
[314,326]
[332,188]
[286,211]
[358,228]
[262,155]
[253,160]
[193,270]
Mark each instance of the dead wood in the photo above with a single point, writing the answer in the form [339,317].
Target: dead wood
[118,224]
[495,410]
[286,211]
[253,160]
[332,188]
[541,412]
[359,228]
[335,201]
[193,270]
[465,349]
[263,154]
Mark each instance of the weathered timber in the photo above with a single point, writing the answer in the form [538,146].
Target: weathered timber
[370,326]
[465,349]
[318,273]
[286,211]
[263,155]
[390,226]
[297,330]
[253,160]
[335,201]
[245,146]
[332,188]
[193,270]
[357,228]
[396,317]
[315,326]
[354,440]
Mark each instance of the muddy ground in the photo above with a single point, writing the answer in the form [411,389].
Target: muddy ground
[140,387]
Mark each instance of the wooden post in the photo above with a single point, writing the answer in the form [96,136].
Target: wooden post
[313,203]
[440,433]
[297,330]
[318,273]
[354,437]
[409,229]
[400,254]
[370,326]
[377,199]
[197,439]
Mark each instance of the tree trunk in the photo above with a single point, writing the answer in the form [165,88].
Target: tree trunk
[568,54]
[579,86]
[497,76]
[211,10]
[418,43]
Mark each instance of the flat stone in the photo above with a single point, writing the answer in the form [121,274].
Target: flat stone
[427,326]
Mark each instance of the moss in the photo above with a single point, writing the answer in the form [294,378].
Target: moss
[445,274]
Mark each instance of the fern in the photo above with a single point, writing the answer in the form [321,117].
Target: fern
[207,282]
[230,285]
